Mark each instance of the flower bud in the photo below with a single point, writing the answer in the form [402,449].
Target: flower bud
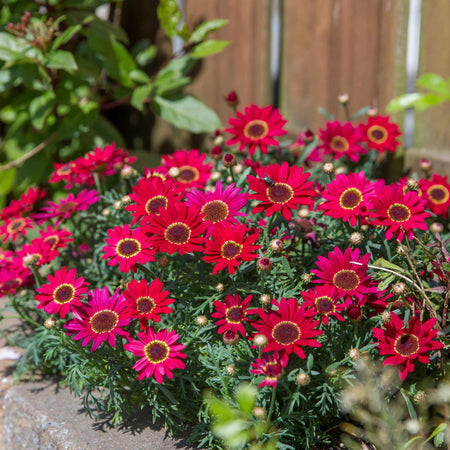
[343,99]
[220,287]
[419,397]
[386,317]
[412,184]
[259,412]
[328,168]
[356,238]
[354,354]
[201,321]
[372,112]
[231,369]
[230,337]
[307,278]
[260,340]
[30,259]
[232,98]
[174,172]
[303,379]
[265,299]
[436,227]
[303,213]
[125,199]
[215,175]
[50,323]
[402,250]
[106,212]
[117,205]
[216,152]
[163,261]
[425,164]
[276,245]
[399,288]
[229,160]
[238,168]
[229,179]
[264,264]
[127,171]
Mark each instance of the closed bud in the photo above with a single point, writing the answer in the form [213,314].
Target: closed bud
[386,317]
[201,321]
[276,245]
[230,337]
[163,261]
[50,323]
[265,299]
[259,412]
[229,179]
[220,287]
[343,99]
[264,264]
[231,369]
[425,164]
[307,278]
[106,212]
[402,250]
[372,112]
[237,169]
[229,160]
[117,205]
[354,354]
[436,227]
[303,379]
[127,171]
[419,397]
[232,98]
[216,152]
[303,213]
[125,199]
[215,175]
[399,288]
[412,184]
[260,340]
[30,260]
[218,140]
[174,172]
[328,168]
[356,238]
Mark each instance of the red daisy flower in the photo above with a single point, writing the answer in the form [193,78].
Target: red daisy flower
[63,172]
[63,292]
[13,277]
[399,212]
[405,344]
[324,302]
[271,366]
[341,140]
[13,227]
[288,329]
[68,206]
[37,252]
[159,353]
[348,197]
[256,127]
[177,229]
[232,313]
[56,237]
[161,172]
[127,247]
[192,172]
[220,206]
[229,247]
[149,195]
[437,194]
[281,188]
[27,201]
[100,320]
[380,134]
[338,270]
[147,301]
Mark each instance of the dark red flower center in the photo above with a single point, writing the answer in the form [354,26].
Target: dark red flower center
[64,293]
[398,212]
[286,332]
[339,144]
[377,134]
[152,206]
[15,226]
[145,304]
[346,280]
[177,233]
[52,240]
[280,193]
[104,321]
[256,129]
[350,198]
[438,193]
[215,211]
[231,249]
[324,305]
[127,248]
[406,344]
[234,314]
[64,170]
[188,174]
[156,351]
[66,207]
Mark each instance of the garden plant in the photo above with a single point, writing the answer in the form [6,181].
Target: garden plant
[260,288]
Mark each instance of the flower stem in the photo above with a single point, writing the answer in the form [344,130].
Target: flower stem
[272,403]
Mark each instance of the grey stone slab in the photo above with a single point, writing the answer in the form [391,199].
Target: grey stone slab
[44,416]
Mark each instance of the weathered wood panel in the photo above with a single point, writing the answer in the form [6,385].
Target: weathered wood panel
[432,130]
[331,47]
[244,66]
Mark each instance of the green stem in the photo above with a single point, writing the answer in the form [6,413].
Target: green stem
[272,403]
[37,275]
[232,174]
[24,316]
[145,270]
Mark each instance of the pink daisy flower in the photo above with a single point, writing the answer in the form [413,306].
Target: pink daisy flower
[271,366]
[159,353]
[256,127]
[15,227]
[102,319]
[127,247]
[232,313]
[56,237]
[380,134]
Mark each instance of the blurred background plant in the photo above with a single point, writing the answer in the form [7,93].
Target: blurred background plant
[63,70]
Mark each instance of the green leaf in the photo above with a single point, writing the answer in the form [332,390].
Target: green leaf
[386,282]
[325,113]
[7,181]
[125,63]
[403,102]
[177,67]
[146,55]
[169,16]
[139,76]
[381,262]
[187,113]
[310,361]
[287,267]
[11,46]
[61,60]
[40,108]
[169,83]
[66,36]
[360,112]
[246,397]
[439,429]
[184,32]
[139,96]
[409,405]
[208,48]
[434,82]
[202,31]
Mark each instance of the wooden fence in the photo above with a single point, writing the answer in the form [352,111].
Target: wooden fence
[327,47]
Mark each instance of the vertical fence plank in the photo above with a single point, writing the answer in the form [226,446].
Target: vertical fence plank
[331,47]
[244,65]
[432,130]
